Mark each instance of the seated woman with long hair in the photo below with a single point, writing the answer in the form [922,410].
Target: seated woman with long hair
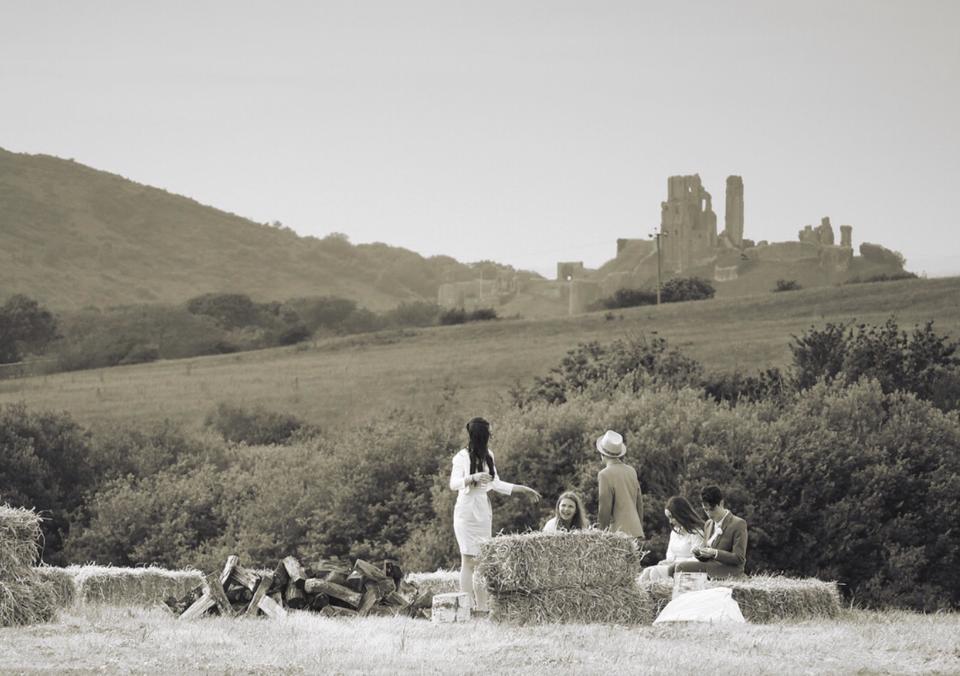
[569,514]
[686,533]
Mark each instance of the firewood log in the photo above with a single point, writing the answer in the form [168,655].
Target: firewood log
[334,591]
[259,594]
[369,571]
[371,594]
[216,591]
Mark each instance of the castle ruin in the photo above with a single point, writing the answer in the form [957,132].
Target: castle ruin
[688,226]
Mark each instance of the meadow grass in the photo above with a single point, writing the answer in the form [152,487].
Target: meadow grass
[134,640]
[339,381]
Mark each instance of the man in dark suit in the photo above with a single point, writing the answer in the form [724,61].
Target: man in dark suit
[724,551]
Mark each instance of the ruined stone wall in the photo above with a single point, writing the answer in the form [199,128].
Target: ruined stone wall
[469,295]
[784,251]
[733,217]
[567,270]
[583,292]
[687,223]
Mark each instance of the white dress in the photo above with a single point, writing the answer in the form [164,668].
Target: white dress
[472,515]
[679,549]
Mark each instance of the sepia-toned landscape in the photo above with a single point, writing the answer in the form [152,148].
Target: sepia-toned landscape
[493,337]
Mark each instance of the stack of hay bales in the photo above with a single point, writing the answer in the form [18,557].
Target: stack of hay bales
[582,576]
[25,597]
[767,598]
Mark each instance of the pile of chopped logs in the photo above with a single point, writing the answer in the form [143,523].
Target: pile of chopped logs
[329,587]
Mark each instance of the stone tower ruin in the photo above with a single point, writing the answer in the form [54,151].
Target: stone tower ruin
[687,223]
[733,218]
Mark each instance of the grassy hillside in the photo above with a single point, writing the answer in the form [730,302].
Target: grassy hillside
[72,236]
[338,381]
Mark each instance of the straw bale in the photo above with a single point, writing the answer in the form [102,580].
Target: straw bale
[535,561]
[439,582]
[767,598]
[26,599]
[626,604]
[133,586]
[19,539]
[64,584]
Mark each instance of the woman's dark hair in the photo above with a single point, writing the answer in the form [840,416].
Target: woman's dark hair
[579,519]
[711,496]
[480,458]
[681,510]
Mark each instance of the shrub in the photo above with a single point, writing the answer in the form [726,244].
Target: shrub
[882,277]
[787,285]
[256,426]
[482,314]
[44,465]
[25,326]
[768,385]
[418,313]
[686,288]
[453,316]
[922,362]
[630,298]
[633,363]
[229,310]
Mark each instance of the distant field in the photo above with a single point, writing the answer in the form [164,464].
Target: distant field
[339,381]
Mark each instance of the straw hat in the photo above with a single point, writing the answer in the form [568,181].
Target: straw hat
[611,445]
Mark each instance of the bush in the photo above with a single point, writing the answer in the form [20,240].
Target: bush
[882,277]
[922,362]
[453,316]
[418,313]
[787,285]
[686,288]
[482,314]
[632,364]
[629,298]
[45,465]
[25,326]
[255,426]
[229,310]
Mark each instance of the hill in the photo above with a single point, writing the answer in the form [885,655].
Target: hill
[72,236]
[471,367]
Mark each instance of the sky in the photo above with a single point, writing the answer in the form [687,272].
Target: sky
[516,131]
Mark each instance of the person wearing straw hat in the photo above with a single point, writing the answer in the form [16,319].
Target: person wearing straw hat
[473,476]
[620,503]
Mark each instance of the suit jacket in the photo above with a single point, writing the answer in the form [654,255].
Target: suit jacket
[731,544]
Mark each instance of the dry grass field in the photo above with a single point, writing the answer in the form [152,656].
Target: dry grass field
[341,380]
[114,639]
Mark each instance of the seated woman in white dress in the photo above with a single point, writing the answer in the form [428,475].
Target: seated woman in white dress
[569,514]
[473,476]
[685,534]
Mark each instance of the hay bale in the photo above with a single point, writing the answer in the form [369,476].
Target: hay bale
[19,539]
[439,582]
[25,597]
[771,598]
[64,584]
[626,604]
[132,586]
[766,598]
[542,561]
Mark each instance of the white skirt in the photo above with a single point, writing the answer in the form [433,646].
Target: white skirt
[472,521]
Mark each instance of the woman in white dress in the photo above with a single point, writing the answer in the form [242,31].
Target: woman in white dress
[473,476]
[685,534]
[569,515]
